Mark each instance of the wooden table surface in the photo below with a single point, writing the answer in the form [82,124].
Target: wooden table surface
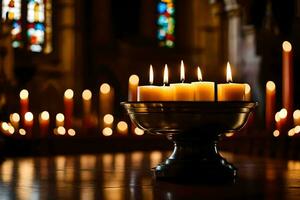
[127,176]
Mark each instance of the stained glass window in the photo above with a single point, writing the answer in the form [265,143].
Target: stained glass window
[166,23]
[11,10]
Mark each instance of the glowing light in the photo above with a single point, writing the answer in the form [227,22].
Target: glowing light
[229,134]
[15,117]
[24,94]
[283,113]
[11,130]
[107,131]
[4,126]
[228,73]
[199,74]
[287,46]
[297,129]
[247,89]
[71,132]
[122,126]
[291,132]
[60,117]
[22,131]
[87,95]
[108,119]
[138,131]
[28,116]
[276,133]
[69,94]
[271,85]
[296,114]
[166,75]
[182,73]
[151,75]
[134,79]
[45,115]
[105,88]
[61,130]
[277,117]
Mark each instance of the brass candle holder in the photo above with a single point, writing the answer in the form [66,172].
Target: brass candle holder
[195,128]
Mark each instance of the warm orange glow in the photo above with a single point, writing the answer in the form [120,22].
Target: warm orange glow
[22,131]
[229,134]
[277,117]
[199,74]
[69,94]
[28,116]
[105,88]
[182,73]
[228,73]
[138,131]
[71,132]
[15,117]
[11,130]
[87,95]
[24,94]
[134,79]
[166,74]
[270,85]
[108,119]
[291,132]
[247,89]
[151,75]
[4,126]
[61,130]
[107,131]
[45,115]
[296,114]
[276,133]
[297,129]
[60,117]
[287,46]
[283,113]
[122,126]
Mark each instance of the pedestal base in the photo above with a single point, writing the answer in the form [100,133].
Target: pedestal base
[195,160]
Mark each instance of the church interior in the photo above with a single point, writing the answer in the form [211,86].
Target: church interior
[83,93]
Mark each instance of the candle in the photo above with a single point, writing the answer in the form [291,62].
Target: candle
[182,91]
[108,120]
[107,131]
[165,92]
[296,116]
[231,91]
[44,123]
[287,78]
[247,92]
[148,92]
[122,128]
[71,132]
[203,90]
[106,100]
[59,119]
[24,103]
[132,87]
[68,102]
[86,103]
[14,120]
[28,123]
[270,104]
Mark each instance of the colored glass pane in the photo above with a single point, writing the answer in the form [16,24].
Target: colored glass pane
[166,23]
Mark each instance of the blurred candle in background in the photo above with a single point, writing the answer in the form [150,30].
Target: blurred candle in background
[296,116]
[106,100]
[133,83]
[122,128]
[28,123]
[15,120]
[108,120]
[287,79]
[24,103]
[59,119]
[270,104]
[44,120]
[86,103]
[69,104]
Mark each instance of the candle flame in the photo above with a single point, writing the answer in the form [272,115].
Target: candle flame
[199,74]
[228,73]
[271,85]
[286,46]
[182,75]
[151,75]
[166,74]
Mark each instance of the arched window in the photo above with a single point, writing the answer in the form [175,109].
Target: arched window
[36,30]
[166,23]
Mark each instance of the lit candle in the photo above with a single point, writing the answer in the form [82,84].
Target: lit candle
[148,92]
[14,120]
[44,123]
[59,119]
[296,116]
[132,87]
[122,128]
[108,120]
[182,91]
[106,100]
[203,90]
[287,78]
[270,104]
[24,103]
[86,102]
[68,102]
[28,123]
[165,92]
[231,91]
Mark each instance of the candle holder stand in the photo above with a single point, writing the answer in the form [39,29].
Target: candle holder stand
[195,128]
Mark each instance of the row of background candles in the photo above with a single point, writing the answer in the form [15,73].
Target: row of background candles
[22,124]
